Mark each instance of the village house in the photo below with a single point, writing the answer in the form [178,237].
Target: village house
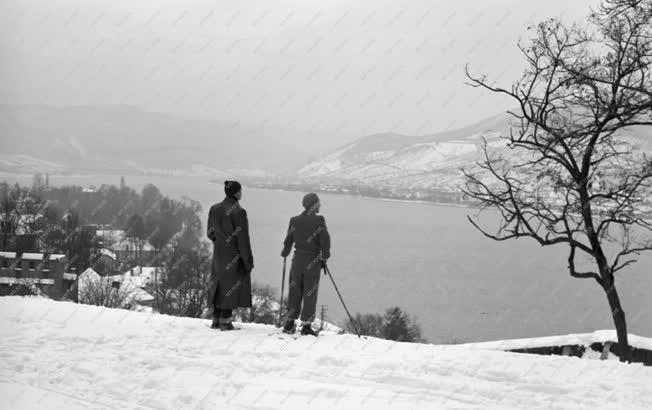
[106,263]
[123,290]
[125,249]
[135,280]
[34,273]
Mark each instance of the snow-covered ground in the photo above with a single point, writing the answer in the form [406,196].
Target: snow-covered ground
[584,339]
[58,355]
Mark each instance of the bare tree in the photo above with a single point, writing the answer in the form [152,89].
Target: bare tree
[10,216]
[264,306]
[27,286]
[135,233]
[368,324]
[569,175]
[190,290]
[394,324]
[101,291]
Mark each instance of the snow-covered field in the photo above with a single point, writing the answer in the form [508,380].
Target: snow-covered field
[58,355]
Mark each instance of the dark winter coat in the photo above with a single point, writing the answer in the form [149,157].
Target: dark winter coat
[310,236]
[228,228]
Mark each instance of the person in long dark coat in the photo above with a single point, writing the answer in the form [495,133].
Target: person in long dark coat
[312,248]
[233,261]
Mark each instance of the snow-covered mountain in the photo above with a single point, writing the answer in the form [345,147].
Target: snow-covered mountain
[420,162]
[119,139]
[62,355]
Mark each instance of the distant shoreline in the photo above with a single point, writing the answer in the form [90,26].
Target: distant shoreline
[295,187]
[376,198]
[308,187]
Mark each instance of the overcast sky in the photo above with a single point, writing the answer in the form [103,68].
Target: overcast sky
[346,68]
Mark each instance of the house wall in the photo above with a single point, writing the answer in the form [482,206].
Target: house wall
[27,270]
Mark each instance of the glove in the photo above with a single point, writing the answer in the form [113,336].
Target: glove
[323,266]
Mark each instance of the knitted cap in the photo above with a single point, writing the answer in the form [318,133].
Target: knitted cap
[231,188]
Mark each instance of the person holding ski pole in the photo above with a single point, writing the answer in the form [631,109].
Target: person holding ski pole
[230,282]
[312,245]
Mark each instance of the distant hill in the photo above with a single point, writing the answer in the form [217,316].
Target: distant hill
[421,162]
[126,139]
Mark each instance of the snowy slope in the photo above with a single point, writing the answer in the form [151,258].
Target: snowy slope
[428,161]
[583,339]
[59,355]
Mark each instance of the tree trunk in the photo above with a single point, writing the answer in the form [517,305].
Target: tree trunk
[608,280]
[619,319]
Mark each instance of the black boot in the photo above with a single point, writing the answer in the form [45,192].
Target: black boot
[307,330]
[225,320]
[226,327]
[289,327]
[216,318]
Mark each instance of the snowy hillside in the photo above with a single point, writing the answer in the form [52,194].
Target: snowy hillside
[122,139]
[60,355]
[419,162]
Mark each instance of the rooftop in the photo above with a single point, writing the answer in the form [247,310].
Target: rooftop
[33,256]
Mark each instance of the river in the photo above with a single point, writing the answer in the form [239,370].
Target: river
[427,259]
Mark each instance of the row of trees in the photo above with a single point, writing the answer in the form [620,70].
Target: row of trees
[65,220]
[32,223]
[394,324]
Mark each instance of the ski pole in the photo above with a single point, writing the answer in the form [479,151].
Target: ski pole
[280,310]
[357,331]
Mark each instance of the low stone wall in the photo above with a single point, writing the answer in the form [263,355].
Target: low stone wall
[637,355]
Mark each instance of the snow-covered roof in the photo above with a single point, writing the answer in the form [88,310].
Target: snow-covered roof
[32,256]
[133,285]
[70,276]
[128,244]
[137,277]
[329,327]
[120,241]
[139,295]
[108,253]
[89,272]
[147,272]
